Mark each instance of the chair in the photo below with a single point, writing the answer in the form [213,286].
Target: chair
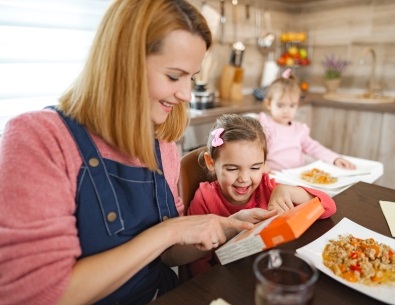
[192,172]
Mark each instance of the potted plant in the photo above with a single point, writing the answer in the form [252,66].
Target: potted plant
[333,71]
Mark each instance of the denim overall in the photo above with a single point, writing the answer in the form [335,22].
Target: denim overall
[116,202]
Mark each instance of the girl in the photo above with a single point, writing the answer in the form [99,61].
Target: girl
[236,153]
[288,140]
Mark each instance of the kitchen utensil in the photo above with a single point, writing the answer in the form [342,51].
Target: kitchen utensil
[236,89]
[236,57]
[226,81]
[234,17]
[222,22]
[247,7]
[238,47]
[202,98]
[265,42]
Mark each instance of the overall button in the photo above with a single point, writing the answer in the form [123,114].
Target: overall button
[111,216]
[94,162]
[165,218]
[159,171]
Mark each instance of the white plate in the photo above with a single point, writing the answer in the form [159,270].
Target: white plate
[334,171]
[313,251]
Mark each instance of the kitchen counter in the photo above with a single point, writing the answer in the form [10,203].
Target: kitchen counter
[250,104]
[317,100]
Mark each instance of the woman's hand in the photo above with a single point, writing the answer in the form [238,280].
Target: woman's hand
[204,231]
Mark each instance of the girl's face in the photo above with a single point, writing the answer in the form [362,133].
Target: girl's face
[283,107]
[170,72]
[239,169]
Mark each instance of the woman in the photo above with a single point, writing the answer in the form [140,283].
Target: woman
[88,191]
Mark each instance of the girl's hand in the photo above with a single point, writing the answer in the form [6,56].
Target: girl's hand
[343,163]
[204,231]
[280,200]
[254,215]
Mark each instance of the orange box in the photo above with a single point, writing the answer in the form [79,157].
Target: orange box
[271,232]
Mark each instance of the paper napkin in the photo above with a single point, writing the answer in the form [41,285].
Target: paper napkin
[388,208]
[219,301]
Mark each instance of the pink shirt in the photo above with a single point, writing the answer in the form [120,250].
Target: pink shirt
[208,199]
[288,145]
[39,165]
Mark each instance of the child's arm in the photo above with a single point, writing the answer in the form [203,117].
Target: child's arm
[285,197]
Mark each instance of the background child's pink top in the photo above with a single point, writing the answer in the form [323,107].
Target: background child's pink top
[39,164]
[288,145]
[209,200]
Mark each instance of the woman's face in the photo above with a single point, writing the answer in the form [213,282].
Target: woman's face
[170,72]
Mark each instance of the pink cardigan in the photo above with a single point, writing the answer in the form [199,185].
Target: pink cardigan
[39,164]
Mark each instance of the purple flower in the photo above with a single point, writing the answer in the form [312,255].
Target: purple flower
[334,66]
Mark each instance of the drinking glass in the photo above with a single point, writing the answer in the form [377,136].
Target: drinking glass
[284,278]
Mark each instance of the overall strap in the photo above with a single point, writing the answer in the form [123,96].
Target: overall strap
[98,173]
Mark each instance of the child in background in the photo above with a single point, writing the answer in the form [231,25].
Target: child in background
[236,153]
[288,140]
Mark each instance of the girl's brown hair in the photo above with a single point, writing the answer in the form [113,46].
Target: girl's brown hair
[237,128]
[110,97]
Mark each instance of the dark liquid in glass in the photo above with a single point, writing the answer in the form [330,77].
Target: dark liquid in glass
[283,294]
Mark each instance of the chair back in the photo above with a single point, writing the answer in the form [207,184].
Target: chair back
[192,172]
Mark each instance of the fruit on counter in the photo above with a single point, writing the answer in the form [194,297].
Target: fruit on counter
[281,61]
[293,50]
[304,86]
[303,53]
[293,36]
[293,57]
[284,37]
[289,61]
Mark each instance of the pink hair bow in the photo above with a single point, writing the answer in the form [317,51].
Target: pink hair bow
[286,73]
[217,141]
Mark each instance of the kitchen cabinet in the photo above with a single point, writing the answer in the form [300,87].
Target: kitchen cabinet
[349,132]
[304,114]
[362,134]
[196,136]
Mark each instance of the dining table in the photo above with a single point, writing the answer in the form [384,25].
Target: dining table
[235,282]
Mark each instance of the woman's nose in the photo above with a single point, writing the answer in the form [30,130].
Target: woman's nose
[184,92]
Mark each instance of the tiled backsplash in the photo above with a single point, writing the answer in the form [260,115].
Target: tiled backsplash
[343,27]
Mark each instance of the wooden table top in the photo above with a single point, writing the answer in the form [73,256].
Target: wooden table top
[235,282]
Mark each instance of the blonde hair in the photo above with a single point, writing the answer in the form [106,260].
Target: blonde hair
[110,96]
[281,86]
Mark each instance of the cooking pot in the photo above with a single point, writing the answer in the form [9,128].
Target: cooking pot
[202,98]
